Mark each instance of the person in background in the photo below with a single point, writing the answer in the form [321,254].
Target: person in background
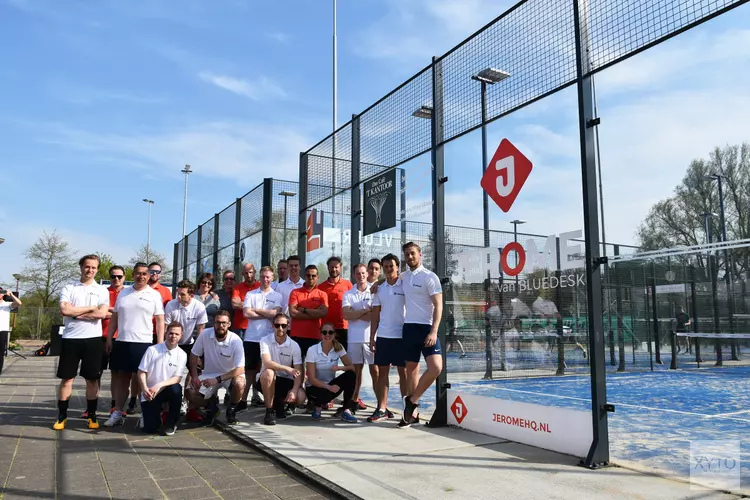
[335,287]
[8,303]
[323,385]
[292,283]
[357,308]
[282,271]
[683,321]
[239,322]
[117,280]
[225,293]
[206,295]
[374,267]
[159,375]
[154,275]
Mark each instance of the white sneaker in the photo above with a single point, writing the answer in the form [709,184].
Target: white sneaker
[183,408]
[115,419]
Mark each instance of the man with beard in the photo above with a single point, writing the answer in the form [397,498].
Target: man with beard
[335,287]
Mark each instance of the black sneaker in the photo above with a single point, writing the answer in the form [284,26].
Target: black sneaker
[281,412]
[402,423]
[132,409]
[211,412]
[232,415]
[257,400]
[409,409]
[338,412]
[270,418]
[377,415]
[241,406]
[388,413]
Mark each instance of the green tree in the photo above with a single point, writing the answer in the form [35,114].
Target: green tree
[141,255]
[51,264]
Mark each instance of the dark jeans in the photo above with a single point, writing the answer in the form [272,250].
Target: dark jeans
[346,382]
[151,410]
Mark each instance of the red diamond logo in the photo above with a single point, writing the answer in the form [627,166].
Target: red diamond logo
[459,410]
[506,175]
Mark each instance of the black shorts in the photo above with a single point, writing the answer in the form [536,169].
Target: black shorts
[105,356]
[389,352]
[281,389]
[304,344]
[342,335]
[413,343]
[126,356]
[86,352]
[252,355]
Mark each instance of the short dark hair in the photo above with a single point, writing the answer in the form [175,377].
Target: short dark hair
[333,258]
[90,256]
[293,257]
[174,324]
[117,267]
[392,258]
[357,266]
[374,259]
[223,312]
[280,315]
[410,244]
[281,261]
[139,264]
[224,274]
[154,264]
[187,284]
[311,266]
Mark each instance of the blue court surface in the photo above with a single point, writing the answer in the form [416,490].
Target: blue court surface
[657,413]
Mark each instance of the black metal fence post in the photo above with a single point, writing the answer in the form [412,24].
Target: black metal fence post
[184,256]
[215,262]
[598,454]
[559,329]
[199,255]
[619,311]
[237,261]
[267,225]
[356,195]
[302,220]
[694,315]
[655,313]
[713,270]
[174,266]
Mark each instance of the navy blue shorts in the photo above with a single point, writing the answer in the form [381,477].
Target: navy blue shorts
[413,342]
[389,352]
[126,356]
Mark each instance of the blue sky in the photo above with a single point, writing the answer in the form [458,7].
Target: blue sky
[104,102]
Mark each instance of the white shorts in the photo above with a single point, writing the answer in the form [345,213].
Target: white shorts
[360,353]
[209,392]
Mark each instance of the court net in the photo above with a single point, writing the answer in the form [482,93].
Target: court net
[701,350]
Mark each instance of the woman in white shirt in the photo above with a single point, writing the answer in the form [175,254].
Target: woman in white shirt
[322,383]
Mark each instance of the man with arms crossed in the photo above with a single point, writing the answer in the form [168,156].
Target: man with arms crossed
[239,322]
[223,365]
[282,375]
[260,306]
[387,323]
[83,305]
[357,308]
[335,287]
[159,375]
[136,310]
[424,309]
[292,283]
[308,305]
[191,314]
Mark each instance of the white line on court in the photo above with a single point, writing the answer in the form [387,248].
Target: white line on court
[701,415]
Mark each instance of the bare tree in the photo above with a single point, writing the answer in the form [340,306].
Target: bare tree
[152,256]
[51,265]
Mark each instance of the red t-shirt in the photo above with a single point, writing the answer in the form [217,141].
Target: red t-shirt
[335,292]
[239,291]
[310,299]
[113,293]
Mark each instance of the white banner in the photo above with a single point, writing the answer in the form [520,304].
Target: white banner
[548,427]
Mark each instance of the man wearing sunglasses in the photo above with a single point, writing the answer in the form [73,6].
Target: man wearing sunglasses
[223,366]
[308,305]
[117,283]
[225,293]
[282,374]
[154,275]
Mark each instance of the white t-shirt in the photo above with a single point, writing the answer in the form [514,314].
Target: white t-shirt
[161,364]
[188,316]
[325,364]
[286,354]
[135,312]
[285,289]
[257,299]
[5,308]
[391,300]
[359,329]
[80,295]
[419,287]
[219,357]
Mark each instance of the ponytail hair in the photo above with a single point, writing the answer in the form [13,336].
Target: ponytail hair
[336,344]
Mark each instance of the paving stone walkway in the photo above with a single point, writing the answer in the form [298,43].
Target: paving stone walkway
[122,463]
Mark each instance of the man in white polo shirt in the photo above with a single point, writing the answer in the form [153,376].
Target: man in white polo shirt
[260,306]
[136,310]
[83,305]
[386,335]
[282,374]
[159,375]
[292,283]
[424,310]
[223,366]
[357,308]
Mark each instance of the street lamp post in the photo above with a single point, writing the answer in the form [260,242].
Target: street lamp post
[18,277]
[712,269]
[187,172]
[148,240]
[286,195]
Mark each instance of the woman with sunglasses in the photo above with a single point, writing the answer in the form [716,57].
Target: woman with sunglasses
[206,295]
[323,385]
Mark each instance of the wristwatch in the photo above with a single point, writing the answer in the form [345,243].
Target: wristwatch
[219,378]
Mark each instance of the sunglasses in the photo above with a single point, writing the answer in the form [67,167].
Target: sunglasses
[206,283]
[116,276]
[221,323]
[283,326]
[327,332]
[154,272]
[229,278]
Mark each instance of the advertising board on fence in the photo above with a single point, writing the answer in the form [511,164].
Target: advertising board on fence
[548,427]
[380,203]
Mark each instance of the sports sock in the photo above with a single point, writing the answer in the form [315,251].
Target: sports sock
[132,401]
[62,409]
[91,405]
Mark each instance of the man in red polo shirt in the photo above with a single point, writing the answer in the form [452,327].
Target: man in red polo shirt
[154,275]
[335,287]
[239,321]
[308,306]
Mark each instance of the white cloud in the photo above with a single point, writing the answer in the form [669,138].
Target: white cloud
[280,37]
[260,89]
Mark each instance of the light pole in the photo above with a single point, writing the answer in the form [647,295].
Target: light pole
[18,278]
[714,292]
[187,172]
[286,195]
[148,241]
[515,240]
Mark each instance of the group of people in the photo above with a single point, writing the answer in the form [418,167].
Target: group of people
[284,344]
